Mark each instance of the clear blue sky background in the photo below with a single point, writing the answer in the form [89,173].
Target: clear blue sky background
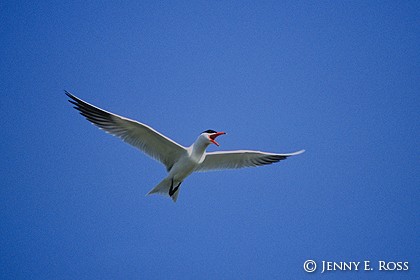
[339,79]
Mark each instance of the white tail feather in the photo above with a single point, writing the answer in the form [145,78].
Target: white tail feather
[166,186]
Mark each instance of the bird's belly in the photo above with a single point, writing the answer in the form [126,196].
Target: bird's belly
[183,169]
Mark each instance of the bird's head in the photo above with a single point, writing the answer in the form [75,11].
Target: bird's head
[211,135]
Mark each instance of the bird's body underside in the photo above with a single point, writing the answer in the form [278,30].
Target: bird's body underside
[179,161]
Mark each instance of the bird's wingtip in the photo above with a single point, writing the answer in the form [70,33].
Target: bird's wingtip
[68,94]
[297,153]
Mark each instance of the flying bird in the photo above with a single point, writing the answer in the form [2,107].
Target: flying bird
[179,161]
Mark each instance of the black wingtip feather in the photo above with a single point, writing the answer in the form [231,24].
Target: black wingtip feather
[69,94]
[73,99]
[91,113]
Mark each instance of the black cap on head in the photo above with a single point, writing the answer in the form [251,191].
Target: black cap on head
[209,131]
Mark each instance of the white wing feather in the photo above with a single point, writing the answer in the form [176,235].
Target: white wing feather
[135,133]
[240,159]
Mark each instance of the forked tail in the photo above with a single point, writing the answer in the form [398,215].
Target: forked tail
[167,187]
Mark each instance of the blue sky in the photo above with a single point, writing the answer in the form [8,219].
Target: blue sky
[338,79]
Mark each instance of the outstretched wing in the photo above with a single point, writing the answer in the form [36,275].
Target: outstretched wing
[239,159]
[135,133]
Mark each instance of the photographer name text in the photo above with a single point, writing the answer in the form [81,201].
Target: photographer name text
[331,266]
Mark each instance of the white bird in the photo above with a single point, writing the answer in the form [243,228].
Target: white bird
[179,161]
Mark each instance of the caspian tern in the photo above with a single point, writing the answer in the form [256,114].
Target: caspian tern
[179,161]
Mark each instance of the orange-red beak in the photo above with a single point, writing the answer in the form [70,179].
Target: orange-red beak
[213,136]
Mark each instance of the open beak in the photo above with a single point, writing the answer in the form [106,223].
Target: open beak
[213,137]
